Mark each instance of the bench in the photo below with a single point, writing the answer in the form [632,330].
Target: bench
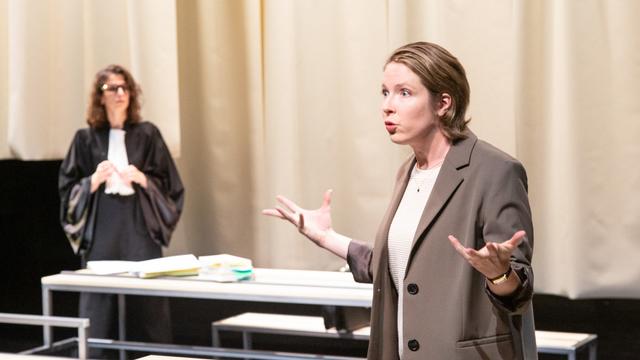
[81,324]
[548,342]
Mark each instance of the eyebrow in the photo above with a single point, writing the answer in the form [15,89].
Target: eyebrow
[400,85]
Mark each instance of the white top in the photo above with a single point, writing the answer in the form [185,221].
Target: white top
[118,156]
[403,230]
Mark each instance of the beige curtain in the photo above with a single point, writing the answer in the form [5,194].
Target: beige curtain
[266,97]
[52,50]
[4,79]
[577,86]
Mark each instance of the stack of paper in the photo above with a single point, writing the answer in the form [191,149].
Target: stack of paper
[223,267]
[180,265]
[110,267]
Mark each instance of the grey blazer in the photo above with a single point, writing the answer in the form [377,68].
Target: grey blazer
[480,195]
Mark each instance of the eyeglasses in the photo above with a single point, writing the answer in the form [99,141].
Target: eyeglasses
[115,87]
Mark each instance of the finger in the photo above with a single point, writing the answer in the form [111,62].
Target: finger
[473,253]
[515,240]
[300,222]
[326,201]
[272,212]
[458,246]
[107,164]
[293,207]
[492,249]
[287,215]
[133,170]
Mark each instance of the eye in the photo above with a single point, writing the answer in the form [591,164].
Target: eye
[385,92]
[405,92]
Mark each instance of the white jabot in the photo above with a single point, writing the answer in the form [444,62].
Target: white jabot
[403,230]
[118,156]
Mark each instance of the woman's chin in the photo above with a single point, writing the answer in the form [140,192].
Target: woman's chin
[397,138]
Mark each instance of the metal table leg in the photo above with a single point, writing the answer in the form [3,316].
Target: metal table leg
[46,311]
[122,323]
[593,350]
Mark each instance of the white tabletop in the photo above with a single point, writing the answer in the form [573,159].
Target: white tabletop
[268,285]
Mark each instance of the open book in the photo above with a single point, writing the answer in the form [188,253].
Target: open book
[179,265]
[224,267]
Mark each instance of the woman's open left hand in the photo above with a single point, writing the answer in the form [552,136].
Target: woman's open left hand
[494,258]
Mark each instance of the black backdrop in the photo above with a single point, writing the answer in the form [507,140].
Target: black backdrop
[33,245]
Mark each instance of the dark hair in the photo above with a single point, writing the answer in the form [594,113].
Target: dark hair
[96,113]
[440,72]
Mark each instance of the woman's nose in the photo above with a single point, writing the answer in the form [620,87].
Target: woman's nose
[120,90]
[387,106]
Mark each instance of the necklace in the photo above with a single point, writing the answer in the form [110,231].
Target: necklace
[420,177]
[419,181]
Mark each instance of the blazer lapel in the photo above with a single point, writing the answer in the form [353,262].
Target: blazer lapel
[448,181]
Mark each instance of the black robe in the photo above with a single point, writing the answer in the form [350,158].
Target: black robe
[161,202]
[101,226]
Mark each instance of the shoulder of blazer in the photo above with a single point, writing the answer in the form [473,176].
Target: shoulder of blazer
[489,155]
[461,151]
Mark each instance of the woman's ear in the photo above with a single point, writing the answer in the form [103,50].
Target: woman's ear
[444,104]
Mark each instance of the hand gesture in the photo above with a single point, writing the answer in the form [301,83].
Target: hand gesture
[102,173]
[494,259]
[132,174]
[314,224]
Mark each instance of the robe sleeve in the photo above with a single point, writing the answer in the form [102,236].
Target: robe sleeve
[74,186]
[163,199]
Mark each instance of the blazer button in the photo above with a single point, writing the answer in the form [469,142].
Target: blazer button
[412,289]
[413,344]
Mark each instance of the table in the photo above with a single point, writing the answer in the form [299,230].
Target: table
[269,285]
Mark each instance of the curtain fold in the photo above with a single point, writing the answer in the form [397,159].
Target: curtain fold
[54,48]
[577,110]
[267,97]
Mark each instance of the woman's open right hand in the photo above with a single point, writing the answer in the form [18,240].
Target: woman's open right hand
[314,224]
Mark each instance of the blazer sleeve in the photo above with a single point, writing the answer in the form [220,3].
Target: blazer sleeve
[507,210]
[359,257]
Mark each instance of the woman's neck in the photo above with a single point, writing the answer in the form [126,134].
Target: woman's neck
[432,152]
[116,119]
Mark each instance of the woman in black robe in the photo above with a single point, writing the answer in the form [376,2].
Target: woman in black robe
[121,198]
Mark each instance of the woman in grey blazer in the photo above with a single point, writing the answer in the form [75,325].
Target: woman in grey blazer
[451,262]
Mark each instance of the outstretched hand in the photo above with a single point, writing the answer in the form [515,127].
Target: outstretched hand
[493,259]
[314,224]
